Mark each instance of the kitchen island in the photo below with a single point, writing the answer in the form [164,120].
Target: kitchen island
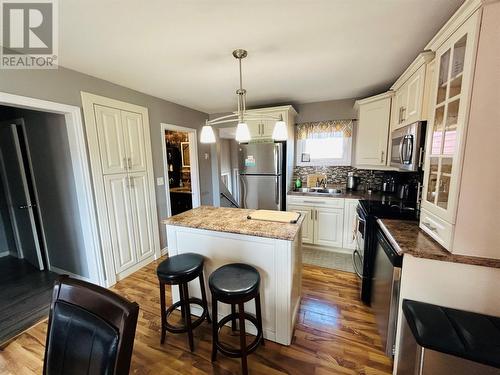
[226,235]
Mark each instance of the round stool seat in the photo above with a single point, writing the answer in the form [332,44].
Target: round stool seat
[182,267]
[236,280]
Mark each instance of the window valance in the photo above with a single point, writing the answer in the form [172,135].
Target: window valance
[324,129]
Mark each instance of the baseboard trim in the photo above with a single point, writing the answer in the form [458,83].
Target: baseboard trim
[330,249]
[4,253]
[164,251]
[60,271]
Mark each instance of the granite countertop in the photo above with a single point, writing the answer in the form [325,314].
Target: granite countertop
[407,238]
[184,190]
[234,220]
[376,196]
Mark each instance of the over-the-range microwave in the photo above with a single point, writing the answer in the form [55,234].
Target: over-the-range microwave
[407,146]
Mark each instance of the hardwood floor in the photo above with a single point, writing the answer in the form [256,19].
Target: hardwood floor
[25,294]
[335,334]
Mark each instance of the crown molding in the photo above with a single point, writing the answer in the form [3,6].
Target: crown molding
[459,17]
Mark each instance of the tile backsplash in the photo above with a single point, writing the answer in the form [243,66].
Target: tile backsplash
[338,175]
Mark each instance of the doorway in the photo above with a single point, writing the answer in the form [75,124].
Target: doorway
[40,220]
[180,165]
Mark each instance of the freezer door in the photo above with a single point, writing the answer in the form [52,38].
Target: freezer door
[260,158]
[260,192]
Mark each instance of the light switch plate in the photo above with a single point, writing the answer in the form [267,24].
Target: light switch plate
[159,181]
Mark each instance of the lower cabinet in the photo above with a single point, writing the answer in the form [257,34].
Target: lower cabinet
[307,224]
[327,222]
[328,226]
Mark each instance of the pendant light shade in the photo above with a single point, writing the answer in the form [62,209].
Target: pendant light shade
[207,134]
[242,132]
[280,132]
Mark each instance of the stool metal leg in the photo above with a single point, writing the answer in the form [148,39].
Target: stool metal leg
[259,317]
[233,321]
[215,329]
[163,312]
[188,315]
[243,341]
[204,296]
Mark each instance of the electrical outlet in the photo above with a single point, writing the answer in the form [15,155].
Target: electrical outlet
[159,181]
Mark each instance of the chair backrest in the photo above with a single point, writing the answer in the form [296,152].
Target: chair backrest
[91,330]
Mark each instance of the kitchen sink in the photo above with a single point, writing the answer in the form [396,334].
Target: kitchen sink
[319,191]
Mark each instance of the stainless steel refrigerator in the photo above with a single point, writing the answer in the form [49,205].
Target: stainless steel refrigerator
[262,175]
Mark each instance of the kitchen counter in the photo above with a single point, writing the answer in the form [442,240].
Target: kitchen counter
[407,238]
[225,235]
[234,220]
[184,190]
[376,196]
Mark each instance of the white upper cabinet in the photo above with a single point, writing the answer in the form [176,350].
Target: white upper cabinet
[409,93]
[447,129]
[134,141]
[373,130]
[261,129]
[111,139]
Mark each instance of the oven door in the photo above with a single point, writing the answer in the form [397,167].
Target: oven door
[359,252]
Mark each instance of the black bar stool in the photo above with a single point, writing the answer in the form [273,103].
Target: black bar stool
[236,284]
[179,270]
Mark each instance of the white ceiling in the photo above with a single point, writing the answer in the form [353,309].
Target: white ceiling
[299,50]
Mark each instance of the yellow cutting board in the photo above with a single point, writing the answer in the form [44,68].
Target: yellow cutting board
[277,216]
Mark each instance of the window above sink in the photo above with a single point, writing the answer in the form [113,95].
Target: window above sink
[324,143]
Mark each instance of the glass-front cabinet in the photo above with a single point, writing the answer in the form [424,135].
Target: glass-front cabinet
[446,133]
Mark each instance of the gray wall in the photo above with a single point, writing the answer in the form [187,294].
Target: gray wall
[64,86]
[328,110]
[317,111]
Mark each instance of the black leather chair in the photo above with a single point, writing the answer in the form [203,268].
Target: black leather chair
[91,330]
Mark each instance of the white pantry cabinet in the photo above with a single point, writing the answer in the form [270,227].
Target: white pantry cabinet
[372,134]
[122,172]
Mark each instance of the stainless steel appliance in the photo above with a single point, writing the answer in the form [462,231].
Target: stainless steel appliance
[352,181]
[386,281]
[262,176]
[368,212]
[407,146]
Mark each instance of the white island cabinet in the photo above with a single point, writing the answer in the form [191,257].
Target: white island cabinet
[225,235]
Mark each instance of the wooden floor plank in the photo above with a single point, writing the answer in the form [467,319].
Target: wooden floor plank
[335,334]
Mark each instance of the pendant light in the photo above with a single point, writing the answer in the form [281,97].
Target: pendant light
[241,116]
[242,133]
[280,132]
[207,134]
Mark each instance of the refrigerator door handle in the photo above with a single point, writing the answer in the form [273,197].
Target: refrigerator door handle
[277,191]
[243,194]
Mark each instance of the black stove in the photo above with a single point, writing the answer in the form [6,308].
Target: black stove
[390,209]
